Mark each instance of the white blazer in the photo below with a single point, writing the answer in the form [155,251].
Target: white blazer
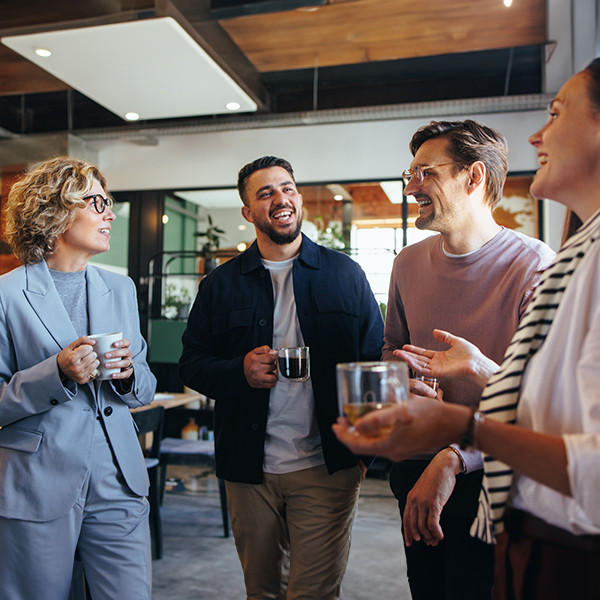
[46,428]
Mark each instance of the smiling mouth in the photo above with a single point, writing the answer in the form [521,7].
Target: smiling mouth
[542,160]
[283,214]
[423,201]
[105,231]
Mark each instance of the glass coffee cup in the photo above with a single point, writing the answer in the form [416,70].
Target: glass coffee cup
[293,364]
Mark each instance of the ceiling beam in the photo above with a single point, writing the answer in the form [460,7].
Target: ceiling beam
[212,38]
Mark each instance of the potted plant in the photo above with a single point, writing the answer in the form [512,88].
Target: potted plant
[208,250]
[331,236]
[177,302]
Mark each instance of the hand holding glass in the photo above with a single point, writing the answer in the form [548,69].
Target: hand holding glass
[367,386]
[432,382]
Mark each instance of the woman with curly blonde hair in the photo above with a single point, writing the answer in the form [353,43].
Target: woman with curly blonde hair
[72,475]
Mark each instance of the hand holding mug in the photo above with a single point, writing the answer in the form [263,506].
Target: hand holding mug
[260,367]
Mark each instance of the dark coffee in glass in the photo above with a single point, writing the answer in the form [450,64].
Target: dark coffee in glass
[293,363]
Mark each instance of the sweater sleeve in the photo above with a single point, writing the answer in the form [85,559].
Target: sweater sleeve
[396,329]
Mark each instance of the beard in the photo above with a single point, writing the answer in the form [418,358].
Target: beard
[424,223]
[281,238]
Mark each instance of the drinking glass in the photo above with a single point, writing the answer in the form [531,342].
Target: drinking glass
[366,386]
[432,382]
[293,364]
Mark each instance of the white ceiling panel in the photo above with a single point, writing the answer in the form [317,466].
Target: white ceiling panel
[151,67]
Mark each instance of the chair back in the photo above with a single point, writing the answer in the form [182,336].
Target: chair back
[151,420]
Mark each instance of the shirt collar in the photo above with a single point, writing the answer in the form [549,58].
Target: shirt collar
[309,255]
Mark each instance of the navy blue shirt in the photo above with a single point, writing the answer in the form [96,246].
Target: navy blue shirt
[233,314]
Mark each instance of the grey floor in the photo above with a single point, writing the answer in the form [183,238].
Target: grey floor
[199,563]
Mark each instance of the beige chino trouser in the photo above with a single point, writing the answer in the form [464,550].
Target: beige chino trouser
[292,532]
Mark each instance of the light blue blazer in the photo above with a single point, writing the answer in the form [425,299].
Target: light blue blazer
[47,427]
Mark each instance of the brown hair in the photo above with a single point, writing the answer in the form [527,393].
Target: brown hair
[469,142]
[43,205]
[593,73]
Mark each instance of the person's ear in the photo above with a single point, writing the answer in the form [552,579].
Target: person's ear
[247,214]
[477,173]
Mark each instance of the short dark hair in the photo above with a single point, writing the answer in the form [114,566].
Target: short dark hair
[469,142]
[593,72]
[264,162]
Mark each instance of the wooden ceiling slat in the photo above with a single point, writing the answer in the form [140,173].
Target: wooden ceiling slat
[18,76]
[373,30]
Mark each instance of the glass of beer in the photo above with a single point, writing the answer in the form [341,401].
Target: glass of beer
[366,386]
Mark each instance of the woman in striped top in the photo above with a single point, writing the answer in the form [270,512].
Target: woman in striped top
[540,409]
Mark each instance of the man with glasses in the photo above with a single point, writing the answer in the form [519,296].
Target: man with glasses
[474,280]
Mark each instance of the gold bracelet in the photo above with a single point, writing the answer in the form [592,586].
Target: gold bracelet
[468,438]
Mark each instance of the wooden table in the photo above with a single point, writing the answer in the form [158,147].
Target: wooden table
[170,400]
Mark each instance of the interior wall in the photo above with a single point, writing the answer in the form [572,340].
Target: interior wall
[375,150]
[319,153]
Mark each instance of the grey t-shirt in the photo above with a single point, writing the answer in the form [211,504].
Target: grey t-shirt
[293,441]
[72,289]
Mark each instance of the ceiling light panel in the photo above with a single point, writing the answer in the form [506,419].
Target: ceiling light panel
[152,67]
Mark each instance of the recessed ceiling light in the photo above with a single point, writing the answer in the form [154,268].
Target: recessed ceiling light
[338,197]
[233,106]
[242,227]
[132,116]
[507,3]
[43,52]
[241,247]
[165,219]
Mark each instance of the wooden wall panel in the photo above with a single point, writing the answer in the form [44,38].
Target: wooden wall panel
[8,175]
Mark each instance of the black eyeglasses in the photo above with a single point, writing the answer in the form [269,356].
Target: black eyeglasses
[100,203]
[419,173]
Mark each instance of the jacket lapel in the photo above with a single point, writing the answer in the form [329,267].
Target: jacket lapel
[101,303]
[45,301]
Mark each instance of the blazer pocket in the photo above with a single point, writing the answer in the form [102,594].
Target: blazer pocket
[23,440]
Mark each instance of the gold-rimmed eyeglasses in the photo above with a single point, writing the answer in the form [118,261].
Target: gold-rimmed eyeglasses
[99,202]
[419,172]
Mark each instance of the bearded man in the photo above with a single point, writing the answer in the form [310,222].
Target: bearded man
[291,486]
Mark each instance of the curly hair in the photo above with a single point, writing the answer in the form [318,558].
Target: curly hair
[43,205]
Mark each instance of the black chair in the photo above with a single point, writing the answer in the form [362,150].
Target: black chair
[199,453]
[151,420]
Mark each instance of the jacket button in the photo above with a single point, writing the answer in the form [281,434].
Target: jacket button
[108,411]
[254,426]
[262,322]
[54,401]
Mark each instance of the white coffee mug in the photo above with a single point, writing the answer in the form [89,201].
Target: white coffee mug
[104,344]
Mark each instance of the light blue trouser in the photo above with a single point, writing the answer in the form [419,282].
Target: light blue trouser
[109,526]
